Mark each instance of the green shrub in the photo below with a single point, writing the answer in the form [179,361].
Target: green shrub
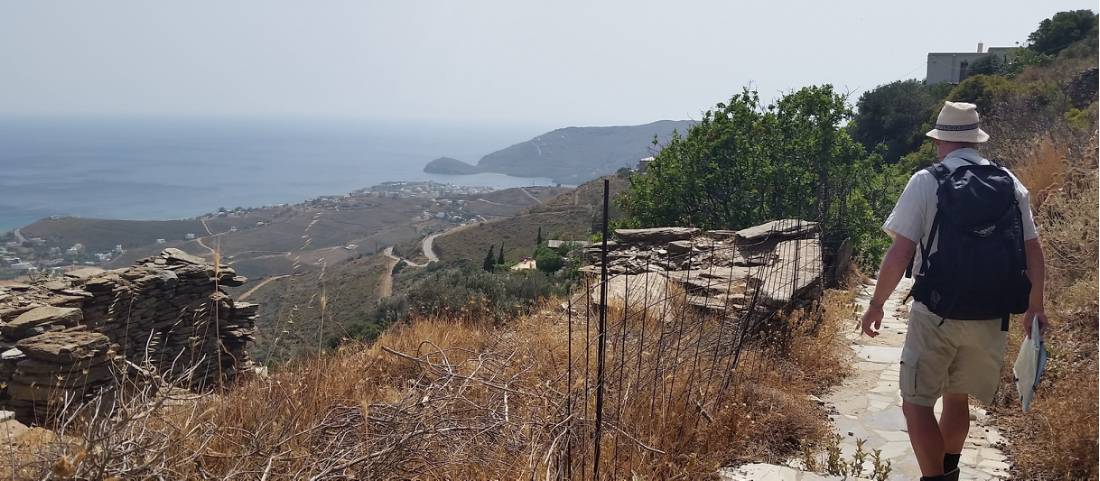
[985,91]
[456,288]
[745,163]
[893,115]
[548,260]
[1060,31]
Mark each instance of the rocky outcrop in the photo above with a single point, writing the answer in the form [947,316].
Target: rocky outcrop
[450,166]
[655,235]
[69,339]
[1082,88]
[765,267]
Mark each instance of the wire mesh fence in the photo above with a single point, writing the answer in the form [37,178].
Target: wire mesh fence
[657,354]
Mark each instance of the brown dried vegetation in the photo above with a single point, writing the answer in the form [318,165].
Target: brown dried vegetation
[446,398]
[1057,439]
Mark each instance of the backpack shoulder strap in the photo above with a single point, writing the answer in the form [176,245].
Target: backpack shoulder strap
[940,172]
[925,249]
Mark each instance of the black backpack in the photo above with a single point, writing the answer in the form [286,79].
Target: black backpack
[979,269]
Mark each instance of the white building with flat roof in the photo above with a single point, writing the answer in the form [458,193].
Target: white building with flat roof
[953,67]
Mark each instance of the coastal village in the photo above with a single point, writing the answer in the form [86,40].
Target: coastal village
[25,257]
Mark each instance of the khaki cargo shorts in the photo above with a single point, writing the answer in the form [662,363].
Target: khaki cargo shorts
[950,356]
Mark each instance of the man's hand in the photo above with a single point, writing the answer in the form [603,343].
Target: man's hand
[1030,314]
[873,317]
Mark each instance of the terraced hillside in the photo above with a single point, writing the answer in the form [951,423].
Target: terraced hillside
[573,215]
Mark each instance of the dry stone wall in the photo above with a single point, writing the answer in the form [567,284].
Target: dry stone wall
[66,340]
[770,266]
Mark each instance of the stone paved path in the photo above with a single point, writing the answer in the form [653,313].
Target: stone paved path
[867,405]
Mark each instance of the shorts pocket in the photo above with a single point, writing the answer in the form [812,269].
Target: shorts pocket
[910,360]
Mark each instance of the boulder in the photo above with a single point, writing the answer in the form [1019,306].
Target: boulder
[104,283]
[39,394]
[168,278]
[721,234]
[56,285]
[174,254]
[777,230]
[235,281]
[84,273]
[65,347]
[40,319]
[797,268]
[656,235]
[35,366]
[679,247]
[12,355]
[66,378]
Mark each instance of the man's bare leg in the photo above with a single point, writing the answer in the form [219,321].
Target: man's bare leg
[925,436]
[954,422]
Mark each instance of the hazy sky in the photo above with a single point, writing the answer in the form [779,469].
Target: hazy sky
[547,63]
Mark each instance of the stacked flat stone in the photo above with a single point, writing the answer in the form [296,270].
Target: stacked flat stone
[776,263]
[167,313]
[46,372]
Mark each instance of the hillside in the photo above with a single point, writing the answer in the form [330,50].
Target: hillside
[450,166]
[290,312]
[1054,150]
[467,373]
[302,235]
[571,155]
[482,380]
[572,215]
[276,240]
[291,308]
[104,234]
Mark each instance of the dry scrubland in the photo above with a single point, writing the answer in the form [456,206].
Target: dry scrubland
[572,215]
[454,398]
[1058,439]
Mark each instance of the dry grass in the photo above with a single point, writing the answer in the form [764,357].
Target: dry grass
[446,398]
[1058,438]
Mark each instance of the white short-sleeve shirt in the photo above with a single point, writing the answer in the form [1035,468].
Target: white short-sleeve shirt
[916,208]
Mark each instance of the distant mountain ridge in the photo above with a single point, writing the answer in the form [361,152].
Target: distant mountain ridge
[570,155]
[450,166]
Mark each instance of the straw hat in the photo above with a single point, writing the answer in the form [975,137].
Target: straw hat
[958,122]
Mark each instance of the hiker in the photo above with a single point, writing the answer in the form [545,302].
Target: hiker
[965,230]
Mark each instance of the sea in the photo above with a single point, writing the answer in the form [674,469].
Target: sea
[171,168]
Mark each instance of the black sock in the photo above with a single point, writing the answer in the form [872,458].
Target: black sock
[932,478]
[950,461]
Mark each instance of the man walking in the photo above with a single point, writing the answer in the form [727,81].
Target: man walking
[979,260]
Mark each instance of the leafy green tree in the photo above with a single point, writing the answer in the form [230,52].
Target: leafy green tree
[745,163]
[490,260]
[893,115]
[500,259]
[987,65]
[1018,60]
[985,91]
[548,260]
[457,288]
[538,238]
[1060,31]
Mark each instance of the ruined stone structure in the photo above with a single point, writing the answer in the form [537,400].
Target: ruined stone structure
[779,262]
[66,340]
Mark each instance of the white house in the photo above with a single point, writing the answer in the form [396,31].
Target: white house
[953,67]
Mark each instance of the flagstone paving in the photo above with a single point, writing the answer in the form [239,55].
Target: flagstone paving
[867,406]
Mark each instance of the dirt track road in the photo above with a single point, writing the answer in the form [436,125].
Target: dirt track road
[385,289]
[426,244]
[258,286]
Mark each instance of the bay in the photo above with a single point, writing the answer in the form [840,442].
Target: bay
[168,168]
